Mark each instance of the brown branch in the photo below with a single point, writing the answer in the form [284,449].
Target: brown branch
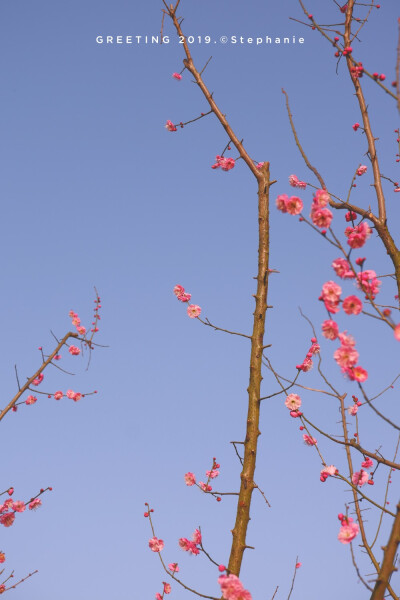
[389,558]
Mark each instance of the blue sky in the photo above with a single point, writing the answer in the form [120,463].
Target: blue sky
[97,193]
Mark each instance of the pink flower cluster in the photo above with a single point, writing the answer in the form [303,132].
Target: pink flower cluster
[342,268]
[295,182]
[76,322]
[328,472]
[361,170]
[360,477]
[232,588]
[293,403]
[38,380]
[292,205]
[321,216]
[348,530]
[226,164]
[307,363]
[347,356]
[358,235]
[193,310]
[169,126]
[10,507]
[330,295]
[191,546]
[368,283]
[155,544]
[75,396]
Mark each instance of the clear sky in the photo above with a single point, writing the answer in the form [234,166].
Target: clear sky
[95,192]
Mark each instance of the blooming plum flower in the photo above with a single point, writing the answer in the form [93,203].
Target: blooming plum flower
[281,202]
[347,533]
[295,182]
[232,588]
[190,479]
[196,537]
[352,410]
[360,478]
[34,504]
[2,557]
[346,356]
[321,198]
[58,395]
[173,567]
[158,596]
[226,164]
[178,290]
[193,311]
[188,546]
[346,339]
[342,268]
[367,463]
[293,401]
[361,170]
[352,305]
[358,235]
[169,126]
[38,379]
[212,474]
[329,470]
[155,544]
[309,440]
[331,292]
[294,205]
[31,400]
[330,329]
[7,519]
[74,350]
[321,217]
[204,487]
[397,332]
[167,587]
[357,374]
[368,283]
[19,506]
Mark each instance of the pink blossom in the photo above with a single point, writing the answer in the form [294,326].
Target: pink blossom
[169,126]
[321,198]
[321,217]
[74,350]
[31,400]
[190,479]
[358,374]
[7,505]
[342,268]
[295,182]
[330,329]
[204,487]
[293,402]
[34,504]
[58,395]
[167,588]
[212,474]
[196,537]
[397,332]
[352,410]
[259,165]
[352,305]
[367,463]
[2,588]
[7,519]
[184,297]
[2,557]
[360,477]
[158,596]
[294,205]
[38,379]
[193,311]
[226,164]
[361,170]
[347,533]
[178,290]
[155,544]
[19,506]
[329,470]
[358,235]
[309,440]
[188,546]
[177,76]
[367,281]
[281,202]
[173,567]
[331,292]
[77,396]
[70,394]
[81,330]
[298,565]
[232,588]
[346,356]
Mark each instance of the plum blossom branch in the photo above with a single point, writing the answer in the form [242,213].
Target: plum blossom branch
[209,324]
